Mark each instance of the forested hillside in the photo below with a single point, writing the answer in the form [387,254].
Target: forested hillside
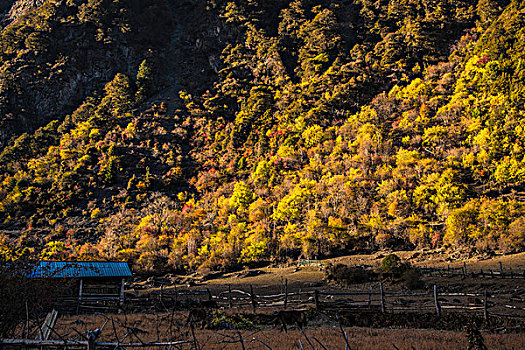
[213,134]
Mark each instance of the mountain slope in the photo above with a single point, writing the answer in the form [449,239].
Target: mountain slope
[281,129]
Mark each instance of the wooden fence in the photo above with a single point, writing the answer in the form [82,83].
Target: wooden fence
[372,299]
[378,299]
[465,271]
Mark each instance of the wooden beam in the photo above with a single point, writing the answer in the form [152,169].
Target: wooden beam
[121,297]
[252,296]
[436,302]
[485,309]
[49,323]
[79,295]
[370,297]
[286,293]
[230,296]
[383,310]
[32,342]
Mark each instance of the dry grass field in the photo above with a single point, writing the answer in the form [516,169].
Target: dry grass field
[165,327]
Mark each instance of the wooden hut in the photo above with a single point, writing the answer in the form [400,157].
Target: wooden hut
[95,285]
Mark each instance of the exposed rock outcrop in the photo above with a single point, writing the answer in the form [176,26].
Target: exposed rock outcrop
[46,75]
[21,7]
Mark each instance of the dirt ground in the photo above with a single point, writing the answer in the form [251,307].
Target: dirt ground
[304,277]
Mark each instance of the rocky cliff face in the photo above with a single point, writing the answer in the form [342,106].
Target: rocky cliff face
[21,7]
[47,73]
[5,7]
[13,9]
[32,94]
[56,54]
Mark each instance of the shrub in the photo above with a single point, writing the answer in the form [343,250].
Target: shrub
[391,264]
[55,250]
[346,275]
[96,213]
[221,320]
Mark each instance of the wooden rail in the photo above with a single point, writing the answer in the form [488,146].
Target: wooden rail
[373,299]
[85,344]
[466,271]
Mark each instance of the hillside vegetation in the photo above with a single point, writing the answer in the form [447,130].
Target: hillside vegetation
[215,134]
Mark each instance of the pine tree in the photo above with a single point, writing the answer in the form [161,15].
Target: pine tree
[144,82]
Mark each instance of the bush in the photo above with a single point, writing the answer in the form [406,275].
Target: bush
[394,267]
[346,275]
[391,264]
[222,320]
[96,213]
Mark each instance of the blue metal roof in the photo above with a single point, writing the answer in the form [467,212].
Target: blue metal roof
[80,269]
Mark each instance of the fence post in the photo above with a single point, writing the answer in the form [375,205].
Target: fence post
[79,296]
[27,321]
[92,341]
[195,344]
[370,298]
[382,297]
[491,273]
[485,309]
[229,296]
[316,299]
[286,293]
[252,295]
[464,269]
[209,294]
[501,269]
[436,301]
